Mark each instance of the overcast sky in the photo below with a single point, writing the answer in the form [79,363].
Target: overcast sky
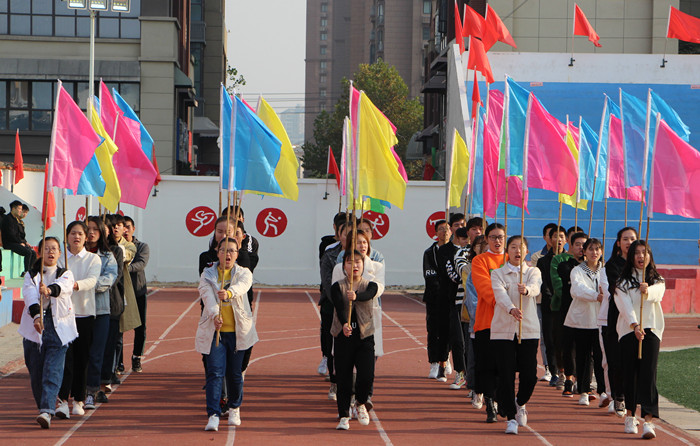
[267,44]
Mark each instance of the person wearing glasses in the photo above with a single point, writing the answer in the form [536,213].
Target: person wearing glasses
[225,331]
[482,265]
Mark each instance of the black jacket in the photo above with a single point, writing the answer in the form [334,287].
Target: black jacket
[137,267]
[543,264]
[613,270]
[12,231]
[447,273]
[430,274]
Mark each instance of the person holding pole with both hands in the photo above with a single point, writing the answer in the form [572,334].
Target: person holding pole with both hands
[515,332]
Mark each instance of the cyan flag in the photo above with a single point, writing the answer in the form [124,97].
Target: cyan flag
[588,149]
[225,139]
[477,198]
[511,159]
[634,117]
[146,139]
[669,115]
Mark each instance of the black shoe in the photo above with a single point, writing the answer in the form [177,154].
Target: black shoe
[101,397]
[115,379]
[223,405]
[136,364]
[568,389]
[490,411]
[441,374]
[120,369]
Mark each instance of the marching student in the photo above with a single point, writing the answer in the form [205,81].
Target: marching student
[464,267]
[534,257]
[640,281]
[589,287]
[459,328]
[354,341]
[85,267]
[223,227]
[514,356]
[482,265]
[137,271]
[223,289]
[45,351]
[613,268]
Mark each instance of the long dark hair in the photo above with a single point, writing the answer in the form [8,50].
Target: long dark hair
[479,240]
[101,243]
[628,280]
[617,251]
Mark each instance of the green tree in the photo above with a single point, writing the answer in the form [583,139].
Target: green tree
[388,91]
[235,79]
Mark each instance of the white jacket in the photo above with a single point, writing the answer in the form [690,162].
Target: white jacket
[61,308]
[86,268]
[628,302]
[585,310]
[373,272]
[504,281]
[241,281]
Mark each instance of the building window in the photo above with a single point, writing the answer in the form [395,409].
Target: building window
[322,79]
[324,7]
[380,40]
[322,107]
[324,36]
[426,32]
[323,50]
[324,65]
[323,92]
[324,22]
[427,6]
[380,12]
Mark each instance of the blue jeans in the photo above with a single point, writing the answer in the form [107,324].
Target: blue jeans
[224,361]
[45,364]
[96,355]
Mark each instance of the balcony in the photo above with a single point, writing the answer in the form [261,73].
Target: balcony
[198,31]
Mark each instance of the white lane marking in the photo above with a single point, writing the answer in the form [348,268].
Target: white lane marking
[411,299]
[404,329]
[539,437]
[318,313]
[77,426]
[257,305]
[380,429]
[145,361]
[666,431]
[231,437]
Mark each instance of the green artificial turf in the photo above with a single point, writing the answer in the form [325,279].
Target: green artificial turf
[678,377]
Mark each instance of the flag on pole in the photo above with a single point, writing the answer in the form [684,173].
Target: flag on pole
[588,146]
[573,137]
[513,130]
[675,186]
[225,139]
[476,97]
[73,142]
[475,25]
[48,205]
[477,181]
[478,60]
[582,27]
[286,170]
[670,116]
[634,117]
[105,157]
[459,36]
[616,162]
[458,171]
[332,168]
[18,166]
[501,31]
[683,26]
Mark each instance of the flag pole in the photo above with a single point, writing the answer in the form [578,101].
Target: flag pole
[646,159]
[626,194]
[328,164]
[522,213]
[87,207]
[558,225]
[63,205]
[668,25]
[353,238]
[223,274]
[43,257]
[220,193]
[573,30]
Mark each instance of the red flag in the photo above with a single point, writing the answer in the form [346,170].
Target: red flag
[682,26]
[583,28]
[475,25]
[332,168]
[478,60]
[501,33]
[19,162]
[459,36]
[155,166]
[428,172]
[476,97]
[48,208]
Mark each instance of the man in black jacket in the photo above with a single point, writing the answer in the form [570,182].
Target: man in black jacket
[13,235]
[438,333]
[137,269]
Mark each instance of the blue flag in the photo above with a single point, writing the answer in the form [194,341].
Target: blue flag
[477,198]
[586,161]
[589,142]
[512,151]
[225,139]
[146,139]
[634,117]
[669,115]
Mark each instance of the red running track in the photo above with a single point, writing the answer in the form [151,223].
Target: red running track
[285,400]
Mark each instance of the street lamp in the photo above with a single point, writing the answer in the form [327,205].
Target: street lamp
[95,6]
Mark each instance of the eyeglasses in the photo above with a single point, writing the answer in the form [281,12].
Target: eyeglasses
[499,238]
[229,251]
[52,249]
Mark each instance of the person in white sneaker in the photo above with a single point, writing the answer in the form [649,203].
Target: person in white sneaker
[47,326]
[640,284]
[225,330]
[354,336]
[515,304]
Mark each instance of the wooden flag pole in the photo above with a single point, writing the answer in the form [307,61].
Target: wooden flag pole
[87,207]
[352,254]
[605,222]
[505,230]
[558,226]
[590,218]
[63,205]
[223,267]
[626,195]
[220,193]
[576,209]
[43,258]
[522,256]
[644,296]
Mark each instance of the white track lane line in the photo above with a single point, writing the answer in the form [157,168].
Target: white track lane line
[88,414]
[318,313]
[666,431]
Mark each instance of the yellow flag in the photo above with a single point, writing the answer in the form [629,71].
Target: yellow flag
[460,170]
[378,170]
[288,165]
[104,153]
[571,199]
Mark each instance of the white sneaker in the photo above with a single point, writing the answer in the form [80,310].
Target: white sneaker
[605,400]
[478,401]
[433,370]
[78,408]
[512,427]
[234,416]
[323,366]
[362,415]
[547,375]
[459,381]
[631,425]
[648,431]
[520,414]
[44,420]
[333,392]
[212,424]
[62,410]
[343,424]
[448,367]
[611,407]
[583,400]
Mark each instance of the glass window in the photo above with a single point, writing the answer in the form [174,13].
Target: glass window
[324,7]
[324,22]
[41,120]
[323,92]
[82,93]
[131,94]
[322,79]
[427,6]
[109,28]
[131,28]
[196,10]
[19,119]
[65,26]
[19,94]
[19,24]
[323,107]
[3,23]
[82,28]
[42,95]
[323,51]
[3,119]
[380,10]
[426,32]
[41,7]
[324,65]
[324,36]
[3,5]
[3,94]
[20,6]
[42,25]
[134,9]
[70,89]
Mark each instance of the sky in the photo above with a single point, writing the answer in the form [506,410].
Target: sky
[267,44]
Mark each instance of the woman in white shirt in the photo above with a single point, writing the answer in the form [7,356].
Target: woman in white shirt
[589,287]
[640,281]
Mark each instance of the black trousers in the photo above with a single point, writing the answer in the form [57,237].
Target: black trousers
[514,357]
[613,355]
[564,343]
[587,344]
[358,354]
[140,331]
[485,367]
[639,375]
[548,337]
[326,336]
[457,338]
[77,357]
[28,253]
[109,359]
[438,326]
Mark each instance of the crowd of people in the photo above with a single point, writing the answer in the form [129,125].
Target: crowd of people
[491,309]
[79,301]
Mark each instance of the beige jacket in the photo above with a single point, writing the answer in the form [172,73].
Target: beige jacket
[363,310]
[504,281]
[628,301]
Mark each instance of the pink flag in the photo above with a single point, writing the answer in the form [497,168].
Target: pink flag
[616,165]
[550,164]
[675,187]
[73,143]
[134,170]
[495,111]
[493,176]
